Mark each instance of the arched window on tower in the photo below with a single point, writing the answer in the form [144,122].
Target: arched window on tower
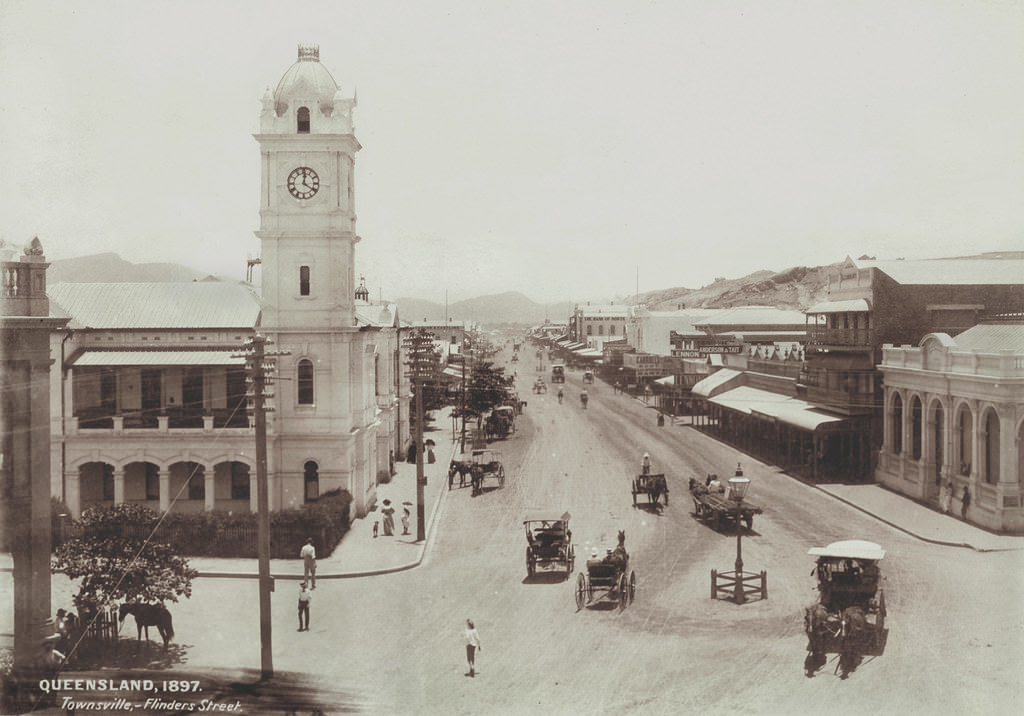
[303,120]
[305,382]
[311,481]
[303,280]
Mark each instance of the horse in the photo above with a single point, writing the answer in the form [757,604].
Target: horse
[583,399]
[462,469]
[147,615]
[619,554]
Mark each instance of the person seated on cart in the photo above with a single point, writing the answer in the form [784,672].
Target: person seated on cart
[645,464]
[715,485]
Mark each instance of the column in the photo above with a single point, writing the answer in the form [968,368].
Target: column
[72,493]
[165,488]
[119,486]
[209,493]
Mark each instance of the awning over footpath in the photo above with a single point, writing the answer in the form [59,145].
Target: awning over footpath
[716,382]
[158,358]
[852,305]
[796,412]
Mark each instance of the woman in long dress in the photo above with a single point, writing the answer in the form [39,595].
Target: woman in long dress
[389,518]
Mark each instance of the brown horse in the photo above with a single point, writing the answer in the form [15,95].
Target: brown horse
[147,615]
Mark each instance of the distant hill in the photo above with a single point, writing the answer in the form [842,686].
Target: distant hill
[111,268]
[798,288]
[509,307]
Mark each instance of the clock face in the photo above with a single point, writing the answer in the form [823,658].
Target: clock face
[303,183]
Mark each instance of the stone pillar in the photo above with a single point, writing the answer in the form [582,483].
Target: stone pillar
[73,493]
[118,486]
[165,488]
[209,493]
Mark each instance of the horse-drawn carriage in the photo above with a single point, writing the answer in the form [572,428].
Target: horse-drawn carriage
[712,505]
[588,376]
[608,577]
[558,373]
[653,485]
[486,463]
[539,386]
[549,542]
[849,616]
[501,422]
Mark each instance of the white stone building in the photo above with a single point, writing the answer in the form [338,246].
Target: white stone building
[954,413]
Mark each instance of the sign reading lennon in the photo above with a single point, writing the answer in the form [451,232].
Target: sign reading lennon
[704,351]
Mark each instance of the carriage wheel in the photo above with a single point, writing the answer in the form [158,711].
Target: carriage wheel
[501,475]
[530,565]
[748,520]
[623,592]
[634,493]
[665,492]
[880,620]
[632,586]
[571,563]
[581,591]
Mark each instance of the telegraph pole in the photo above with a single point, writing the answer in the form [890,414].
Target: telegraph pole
[422,360]
[257,362]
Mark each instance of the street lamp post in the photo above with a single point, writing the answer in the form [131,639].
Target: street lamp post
[738,486]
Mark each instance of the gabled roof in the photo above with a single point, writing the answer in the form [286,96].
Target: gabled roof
[198,304]
[376,316]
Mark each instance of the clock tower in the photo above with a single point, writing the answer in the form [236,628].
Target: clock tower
[322,431]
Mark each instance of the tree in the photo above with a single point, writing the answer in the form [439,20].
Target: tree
[487,388]
[114,564]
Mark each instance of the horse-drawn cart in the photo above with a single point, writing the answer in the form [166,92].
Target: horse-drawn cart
[486,463]
[849,616]
[549,542]
[609,577]
[712,506]
[654,486]
[501,422]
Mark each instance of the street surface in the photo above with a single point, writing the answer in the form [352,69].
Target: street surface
[392,644]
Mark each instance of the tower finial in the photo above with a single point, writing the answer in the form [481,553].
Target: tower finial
[309,52]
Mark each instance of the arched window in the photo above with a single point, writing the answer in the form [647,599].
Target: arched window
[303,120]
[991,447]
[611,330]
[897,424]
[305,382]
[915,428]
[311,481]
[600,329]
[303,280]
[965,430]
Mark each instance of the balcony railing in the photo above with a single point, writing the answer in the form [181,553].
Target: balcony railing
[822,335]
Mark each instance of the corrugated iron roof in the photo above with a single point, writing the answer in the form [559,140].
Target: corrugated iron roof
[206,304]
[992,338]
[751,315]
[958,272]
[159,358]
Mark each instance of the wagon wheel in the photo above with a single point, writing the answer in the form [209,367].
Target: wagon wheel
[623,592]
[665,493]
[880,620]
[632,585]
[581,591]
[748,520]
[570,562]
[530,565]
[501,475]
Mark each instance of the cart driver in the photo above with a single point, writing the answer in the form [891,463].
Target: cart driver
[645,464]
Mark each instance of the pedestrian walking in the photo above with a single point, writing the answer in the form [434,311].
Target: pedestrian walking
[946,496]
[389,518]
[308,555]
[305,597]
[472,646]
[965,501]
[405,520]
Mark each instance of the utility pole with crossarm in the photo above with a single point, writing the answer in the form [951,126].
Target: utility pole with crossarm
[421,359]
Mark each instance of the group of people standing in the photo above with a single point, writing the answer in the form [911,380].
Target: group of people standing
[946,499]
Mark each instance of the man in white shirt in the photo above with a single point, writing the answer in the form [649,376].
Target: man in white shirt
[308,555]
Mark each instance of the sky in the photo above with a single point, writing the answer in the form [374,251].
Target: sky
[576,150]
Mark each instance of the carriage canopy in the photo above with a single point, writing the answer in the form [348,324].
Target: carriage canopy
[546,516]
[849,549]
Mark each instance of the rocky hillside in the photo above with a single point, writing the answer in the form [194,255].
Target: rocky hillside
[797,287]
